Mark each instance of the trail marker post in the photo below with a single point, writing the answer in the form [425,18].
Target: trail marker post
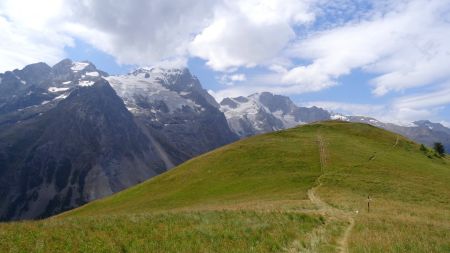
[368,203]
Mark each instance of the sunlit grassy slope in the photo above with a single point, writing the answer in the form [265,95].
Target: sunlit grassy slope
[252,196]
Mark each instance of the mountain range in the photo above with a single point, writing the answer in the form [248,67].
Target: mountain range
[265,112]
[71,133]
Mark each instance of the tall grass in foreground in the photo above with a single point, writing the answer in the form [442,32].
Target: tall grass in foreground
[207,231]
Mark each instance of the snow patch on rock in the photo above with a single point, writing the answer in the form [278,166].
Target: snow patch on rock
[93,74]
[56,89]
[62,96]
[85,83]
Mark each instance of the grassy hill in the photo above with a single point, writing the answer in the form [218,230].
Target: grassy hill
[300,190]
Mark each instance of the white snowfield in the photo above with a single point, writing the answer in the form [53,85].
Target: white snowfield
[150,85]
[78,66]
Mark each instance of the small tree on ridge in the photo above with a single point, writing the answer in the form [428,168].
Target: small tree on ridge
[439,148]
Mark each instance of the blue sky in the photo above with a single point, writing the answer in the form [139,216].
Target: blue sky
[386,59]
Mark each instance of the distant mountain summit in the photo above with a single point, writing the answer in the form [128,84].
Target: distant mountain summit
[265,112]
[71,133]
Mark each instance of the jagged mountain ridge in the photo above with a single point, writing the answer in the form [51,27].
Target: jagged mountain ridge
[67,137]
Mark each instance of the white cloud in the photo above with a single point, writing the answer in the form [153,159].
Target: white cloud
[248,33]
[426,100]
[226,33]
[140,32]
[238,77]
[228,79]
[30,34]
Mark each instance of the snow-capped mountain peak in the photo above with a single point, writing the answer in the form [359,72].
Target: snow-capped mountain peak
[161,90]
[265,112]
[159,74]
[141,93]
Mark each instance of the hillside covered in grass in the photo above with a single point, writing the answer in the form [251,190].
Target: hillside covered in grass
[304,189]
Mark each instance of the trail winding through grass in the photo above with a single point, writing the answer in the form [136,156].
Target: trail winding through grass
[326,209]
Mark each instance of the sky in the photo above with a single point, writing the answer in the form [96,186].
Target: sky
[380,58]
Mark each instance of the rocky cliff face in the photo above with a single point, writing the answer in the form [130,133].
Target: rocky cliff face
[67,137]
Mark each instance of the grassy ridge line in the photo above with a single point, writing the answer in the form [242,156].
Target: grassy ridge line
[279,167]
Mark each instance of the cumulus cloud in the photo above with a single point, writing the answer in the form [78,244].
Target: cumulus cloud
[140,32]
[226,33]
[247,33]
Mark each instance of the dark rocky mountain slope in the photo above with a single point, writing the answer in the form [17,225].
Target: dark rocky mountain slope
[86,147]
